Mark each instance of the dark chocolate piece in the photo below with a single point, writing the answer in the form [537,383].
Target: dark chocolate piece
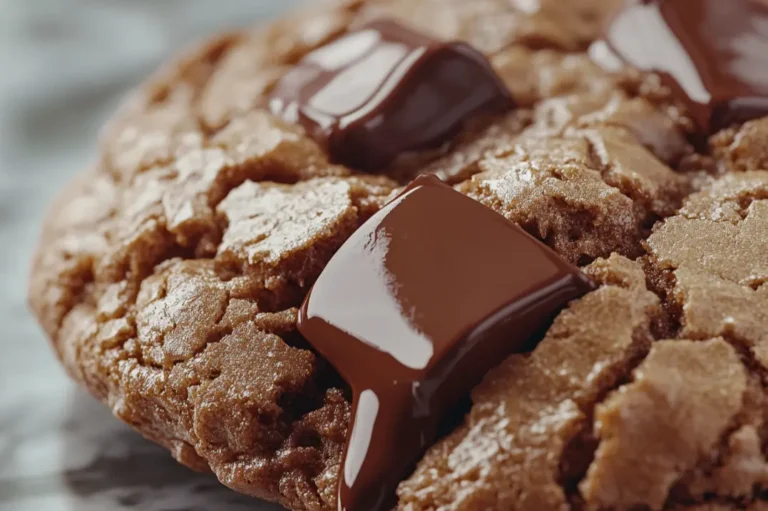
[385,90]
[711,53]
[413,310]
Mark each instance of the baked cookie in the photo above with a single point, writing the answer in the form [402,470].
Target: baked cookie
[580,315]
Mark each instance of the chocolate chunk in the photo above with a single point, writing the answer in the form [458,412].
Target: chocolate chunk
[421,301]
[386,90]
[711,53]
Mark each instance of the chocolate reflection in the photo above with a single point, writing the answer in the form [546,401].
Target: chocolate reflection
[375,94]
[713,54]
[413,310]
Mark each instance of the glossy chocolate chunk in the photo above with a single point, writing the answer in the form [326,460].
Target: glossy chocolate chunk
[413,310]
[713,54]
[385,90]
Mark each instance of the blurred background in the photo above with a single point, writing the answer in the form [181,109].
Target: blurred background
[64,65]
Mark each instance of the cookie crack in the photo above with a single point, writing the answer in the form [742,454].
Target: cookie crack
[579,453]
[679,491]
[650,217]
[743,204]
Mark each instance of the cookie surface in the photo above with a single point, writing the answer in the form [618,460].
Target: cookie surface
[169,274]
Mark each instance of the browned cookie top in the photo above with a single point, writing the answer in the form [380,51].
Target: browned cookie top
[168,275]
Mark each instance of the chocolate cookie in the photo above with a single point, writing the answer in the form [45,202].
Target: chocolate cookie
[574,316]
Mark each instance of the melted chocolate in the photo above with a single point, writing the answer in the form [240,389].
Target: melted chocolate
[711,53]
[413,310]
[385,90]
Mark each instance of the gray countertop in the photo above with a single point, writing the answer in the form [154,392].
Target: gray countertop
[64,64]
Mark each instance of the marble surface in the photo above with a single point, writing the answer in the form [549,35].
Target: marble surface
[64,64]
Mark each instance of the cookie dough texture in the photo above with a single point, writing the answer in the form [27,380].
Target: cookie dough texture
[168,274]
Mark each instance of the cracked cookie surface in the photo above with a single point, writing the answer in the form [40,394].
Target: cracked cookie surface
[168,275]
